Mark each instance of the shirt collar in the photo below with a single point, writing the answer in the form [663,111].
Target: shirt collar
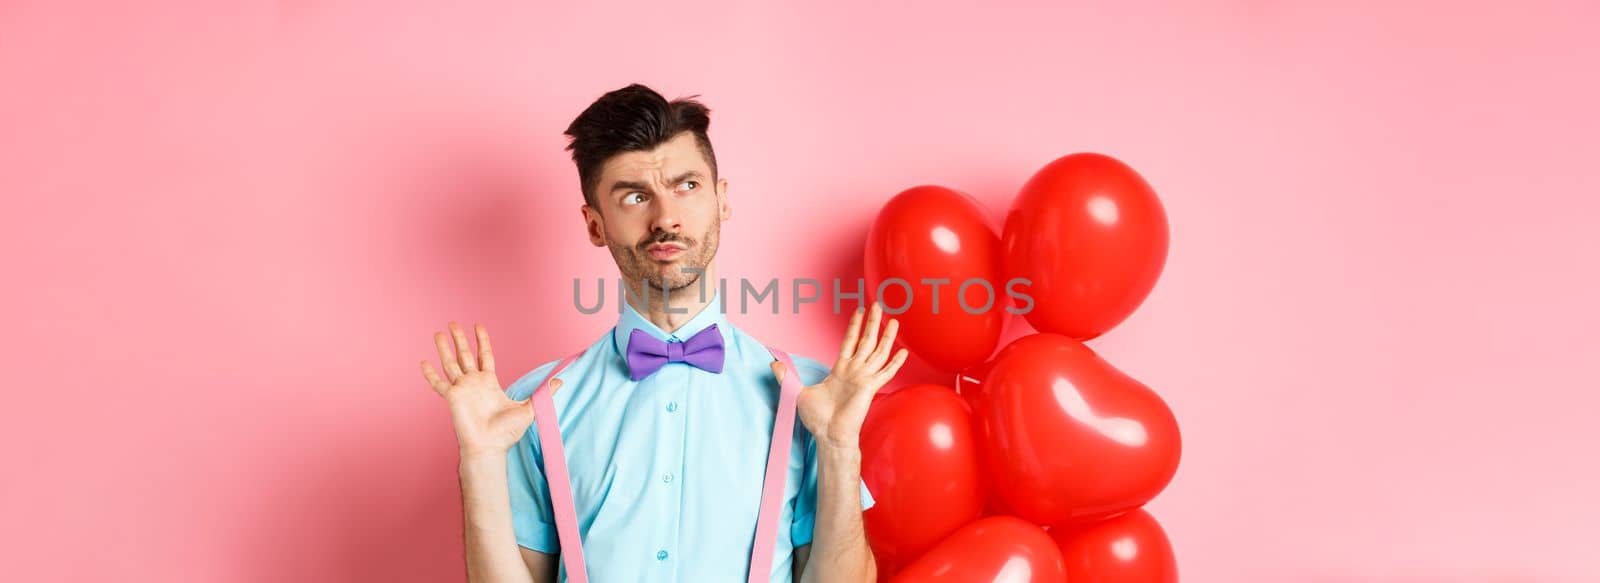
[712,313]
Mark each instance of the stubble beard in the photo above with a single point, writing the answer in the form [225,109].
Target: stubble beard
[637,266]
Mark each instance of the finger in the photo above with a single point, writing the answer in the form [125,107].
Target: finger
[438,384]
[463,349]
[524,411]
[528,402]
[869,336]
[447,357]
[777,370]
[893,366]
[486,353]
[875,361]
[851,335]
[516,414]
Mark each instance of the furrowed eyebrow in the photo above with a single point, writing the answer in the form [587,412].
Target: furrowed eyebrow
[686,176]
[631,185]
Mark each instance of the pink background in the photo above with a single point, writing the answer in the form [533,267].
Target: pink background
[230,231]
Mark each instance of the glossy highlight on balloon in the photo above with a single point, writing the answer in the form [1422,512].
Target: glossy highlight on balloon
[997,549]
[1127,548]
[1066,437]
[920,459]
[1091,237]
[933,232]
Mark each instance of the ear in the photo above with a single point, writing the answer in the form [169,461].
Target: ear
[722,199]
[595,225]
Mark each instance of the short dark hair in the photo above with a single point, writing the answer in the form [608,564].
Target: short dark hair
[633,118]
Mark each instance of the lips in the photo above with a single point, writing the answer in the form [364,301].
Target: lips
[664,251]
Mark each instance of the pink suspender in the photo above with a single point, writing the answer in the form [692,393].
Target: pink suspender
[555,462]
[777,467]
[555,465]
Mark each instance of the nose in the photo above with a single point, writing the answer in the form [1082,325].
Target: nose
[667,213]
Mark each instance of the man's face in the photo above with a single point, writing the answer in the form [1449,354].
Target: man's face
[659,213]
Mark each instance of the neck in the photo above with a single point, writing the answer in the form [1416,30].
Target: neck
[671,310]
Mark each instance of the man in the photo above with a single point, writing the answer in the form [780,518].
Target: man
[666,461]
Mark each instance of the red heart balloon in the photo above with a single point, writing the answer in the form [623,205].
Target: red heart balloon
[920,459]
[1091,237]
[997,549]
[1066,437]
[1127,548]
[932,232]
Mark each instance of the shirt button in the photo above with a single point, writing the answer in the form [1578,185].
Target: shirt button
[661,555]
[673,406]
[666,478]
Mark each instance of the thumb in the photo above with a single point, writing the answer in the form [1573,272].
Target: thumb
[778,369]
[528,402]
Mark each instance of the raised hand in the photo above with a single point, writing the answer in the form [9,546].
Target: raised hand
[486,420]
[834,409]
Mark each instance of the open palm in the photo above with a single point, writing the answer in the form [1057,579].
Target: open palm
[834,409]
[486,420]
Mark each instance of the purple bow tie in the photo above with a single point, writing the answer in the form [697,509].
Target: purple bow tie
[646,354]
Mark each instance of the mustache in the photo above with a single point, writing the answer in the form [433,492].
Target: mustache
[665,237]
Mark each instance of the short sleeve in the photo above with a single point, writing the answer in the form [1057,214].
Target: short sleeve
[532,513]
[802,530]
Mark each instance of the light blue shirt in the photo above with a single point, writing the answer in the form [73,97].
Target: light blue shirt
[667,471]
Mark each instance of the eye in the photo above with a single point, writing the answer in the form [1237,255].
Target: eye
[691,184]
[629,198]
